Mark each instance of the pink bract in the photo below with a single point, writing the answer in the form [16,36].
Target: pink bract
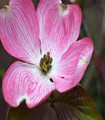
[27,35]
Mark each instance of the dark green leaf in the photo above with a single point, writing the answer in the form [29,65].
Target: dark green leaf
[23,113]
[72,105]
[75,105]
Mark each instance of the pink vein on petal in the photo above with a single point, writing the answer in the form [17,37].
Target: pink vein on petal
[19,30]
[24,81]
[58,31]
[70,69]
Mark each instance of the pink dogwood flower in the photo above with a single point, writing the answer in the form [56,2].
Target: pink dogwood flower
[45,41]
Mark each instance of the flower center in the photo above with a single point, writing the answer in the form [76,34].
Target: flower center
[45,63]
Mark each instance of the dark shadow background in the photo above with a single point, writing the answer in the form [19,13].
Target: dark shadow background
[94,21]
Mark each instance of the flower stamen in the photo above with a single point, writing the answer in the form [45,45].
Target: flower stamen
[45,63]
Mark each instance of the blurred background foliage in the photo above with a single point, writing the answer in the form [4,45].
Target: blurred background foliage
[93,25]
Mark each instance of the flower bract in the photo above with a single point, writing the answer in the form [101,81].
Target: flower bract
[45,42]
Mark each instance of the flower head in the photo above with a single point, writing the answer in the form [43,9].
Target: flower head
[45,41]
